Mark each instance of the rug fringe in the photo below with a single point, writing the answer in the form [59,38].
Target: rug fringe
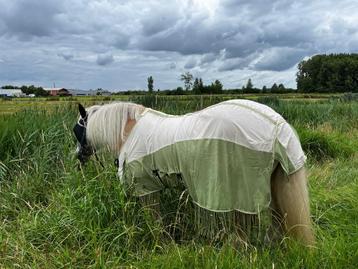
[212,225]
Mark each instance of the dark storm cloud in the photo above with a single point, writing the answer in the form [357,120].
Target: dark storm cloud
[208,58]
[201,35]
[278,59]
[26,19]
[191,63]
[230,64]
[280,32]
[165,17]
[66,55]
[172,65]
[104,59]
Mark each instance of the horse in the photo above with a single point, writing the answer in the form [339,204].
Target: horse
[235,156]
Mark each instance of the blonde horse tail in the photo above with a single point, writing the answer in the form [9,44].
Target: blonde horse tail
[290,203]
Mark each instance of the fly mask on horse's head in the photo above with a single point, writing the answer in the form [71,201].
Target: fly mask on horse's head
[84,149]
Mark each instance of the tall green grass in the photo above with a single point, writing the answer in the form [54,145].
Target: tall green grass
[53,215]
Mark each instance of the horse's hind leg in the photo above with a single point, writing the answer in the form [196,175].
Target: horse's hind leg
[290,202]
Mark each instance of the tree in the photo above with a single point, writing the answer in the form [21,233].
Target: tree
[25,90]
[187,77]
[201,85]
[99,91]
[264,89]
[281,88]
[249,86]
[179,91]
[9,87]
[217,86]
[328,73]
[274,88]
[38,91]
[150,84]
[196,88]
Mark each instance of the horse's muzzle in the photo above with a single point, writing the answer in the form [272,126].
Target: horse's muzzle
[84,154]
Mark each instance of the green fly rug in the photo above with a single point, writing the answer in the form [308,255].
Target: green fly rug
[224,154]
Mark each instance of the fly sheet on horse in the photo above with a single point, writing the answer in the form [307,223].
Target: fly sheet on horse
[226,155]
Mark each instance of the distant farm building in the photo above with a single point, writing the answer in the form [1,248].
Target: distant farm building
[58,91]
[11,93]
[76,92]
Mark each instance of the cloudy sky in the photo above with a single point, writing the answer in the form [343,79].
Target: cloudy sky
[117,44]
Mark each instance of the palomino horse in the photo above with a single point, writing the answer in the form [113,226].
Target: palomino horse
[236,156]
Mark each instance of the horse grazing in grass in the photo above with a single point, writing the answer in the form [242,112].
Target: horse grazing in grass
[236,159]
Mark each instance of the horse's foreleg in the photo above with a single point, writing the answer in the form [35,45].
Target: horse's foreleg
[291,202]
[151,202]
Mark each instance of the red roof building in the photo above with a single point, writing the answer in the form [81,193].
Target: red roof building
[58,91]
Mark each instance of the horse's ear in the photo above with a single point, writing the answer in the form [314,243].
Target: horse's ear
[82,110]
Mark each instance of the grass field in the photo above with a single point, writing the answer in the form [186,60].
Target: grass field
[53,215]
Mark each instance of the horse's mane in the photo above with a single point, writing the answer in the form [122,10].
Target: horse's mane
[106,124]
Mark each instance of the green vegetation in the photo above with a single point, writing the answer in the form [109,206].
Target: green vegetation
[328,73]
[37,91]
[53,215]
[214,88]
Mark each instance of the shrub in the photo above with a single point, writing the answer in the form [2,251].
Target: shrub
[321,146]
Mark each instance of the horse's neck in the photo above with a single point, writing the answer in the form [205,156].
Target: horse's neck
[130,124]
[109,136]
[128,128]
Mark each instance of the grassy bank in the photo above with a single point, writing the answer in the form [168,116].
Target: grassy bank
[53,215]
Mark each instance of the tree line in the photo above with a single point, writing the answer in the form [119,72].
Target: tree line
[37,91]
[191,86]
[196,86]
[328,73]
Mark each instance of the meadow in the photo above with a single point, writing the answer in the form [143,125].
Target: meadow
[53,215]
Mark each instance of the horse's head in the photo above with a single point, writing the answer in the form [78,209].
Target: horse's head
[84,149]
